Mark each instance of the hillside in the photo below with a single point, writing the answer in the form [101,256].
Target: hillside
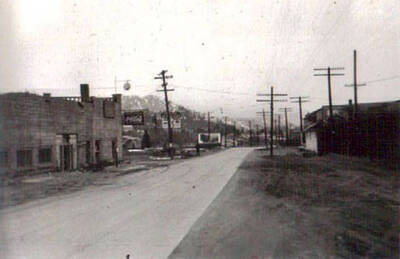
[150,102]
[192,122]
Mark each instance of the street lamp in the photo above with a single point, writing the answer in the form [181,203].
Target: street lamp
[126,86]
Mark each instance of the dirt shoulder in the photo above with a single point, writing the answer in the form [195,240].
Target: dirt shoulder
[295,207]
[357,201]
[23,189]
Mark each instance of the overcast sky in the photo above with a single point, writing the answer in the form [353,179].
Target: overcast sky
[241,47]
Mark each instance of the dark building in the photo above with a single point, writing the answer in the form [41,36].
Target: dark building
[58,133]
[373,132]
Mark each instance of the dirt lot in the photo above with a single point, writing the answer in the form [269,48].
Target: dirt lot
[20,190]
[355,204]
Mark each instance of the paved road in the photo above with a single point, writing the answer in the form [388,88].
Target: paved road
[144,215]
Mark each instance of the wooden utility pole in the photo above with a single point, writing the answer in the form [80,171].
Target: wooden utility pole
[271,147]
[272,123]
[155,122]
[209,126]
[355,81]
[251,136]
[331,122]
[301,100]
[279,128]
[272,114]
[257,137]
[163,77]
[286,128]
[287,109]
[225,133]
[329,75]
[234,133]
[265,128]
[355,84]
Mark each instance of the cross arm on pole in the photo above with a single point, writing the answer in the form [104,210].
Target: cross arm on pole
[305,101]
[297,97]
[275,100]
[272,94]
[352,85]
[332,74]
[330,68]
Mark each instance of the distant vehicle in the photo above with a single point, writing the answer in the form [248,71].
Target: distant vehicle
[209,140]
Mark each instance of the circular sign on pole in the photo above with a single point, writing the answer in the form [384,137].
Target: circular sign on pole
[127,86]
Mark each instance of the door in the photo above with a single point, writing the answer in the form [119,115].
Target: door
[114,150]
[66,157]
[98,150]
[88,152]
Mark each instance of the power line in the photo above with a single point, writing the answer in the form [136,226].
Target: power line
[213,91]
[376,38]
[382,79]
[326,36]
[330,30]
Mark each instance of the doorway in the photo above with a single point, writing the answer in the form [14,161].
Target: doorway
[114,148]
[66,157]
[66,152]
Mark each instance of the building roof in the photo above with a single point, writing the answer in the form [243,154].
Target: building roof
[361,106]
[312,126]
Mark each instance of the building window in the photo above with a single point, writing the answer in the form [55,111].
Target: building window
[44,155]
[24,158]
[3,158]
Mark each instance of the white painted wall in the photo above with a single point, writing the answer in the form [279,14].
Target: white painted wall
[312,141]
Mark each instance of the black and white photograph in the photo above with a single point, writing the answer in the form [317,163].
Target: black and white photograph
[135,129]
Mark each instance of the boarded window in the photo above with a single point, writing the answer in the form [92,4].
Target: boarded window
[3,159]
[44,155]
[24,158]
[108,109]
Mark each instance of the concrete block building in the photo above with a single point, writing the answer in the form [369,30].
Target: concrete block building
[58,133]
